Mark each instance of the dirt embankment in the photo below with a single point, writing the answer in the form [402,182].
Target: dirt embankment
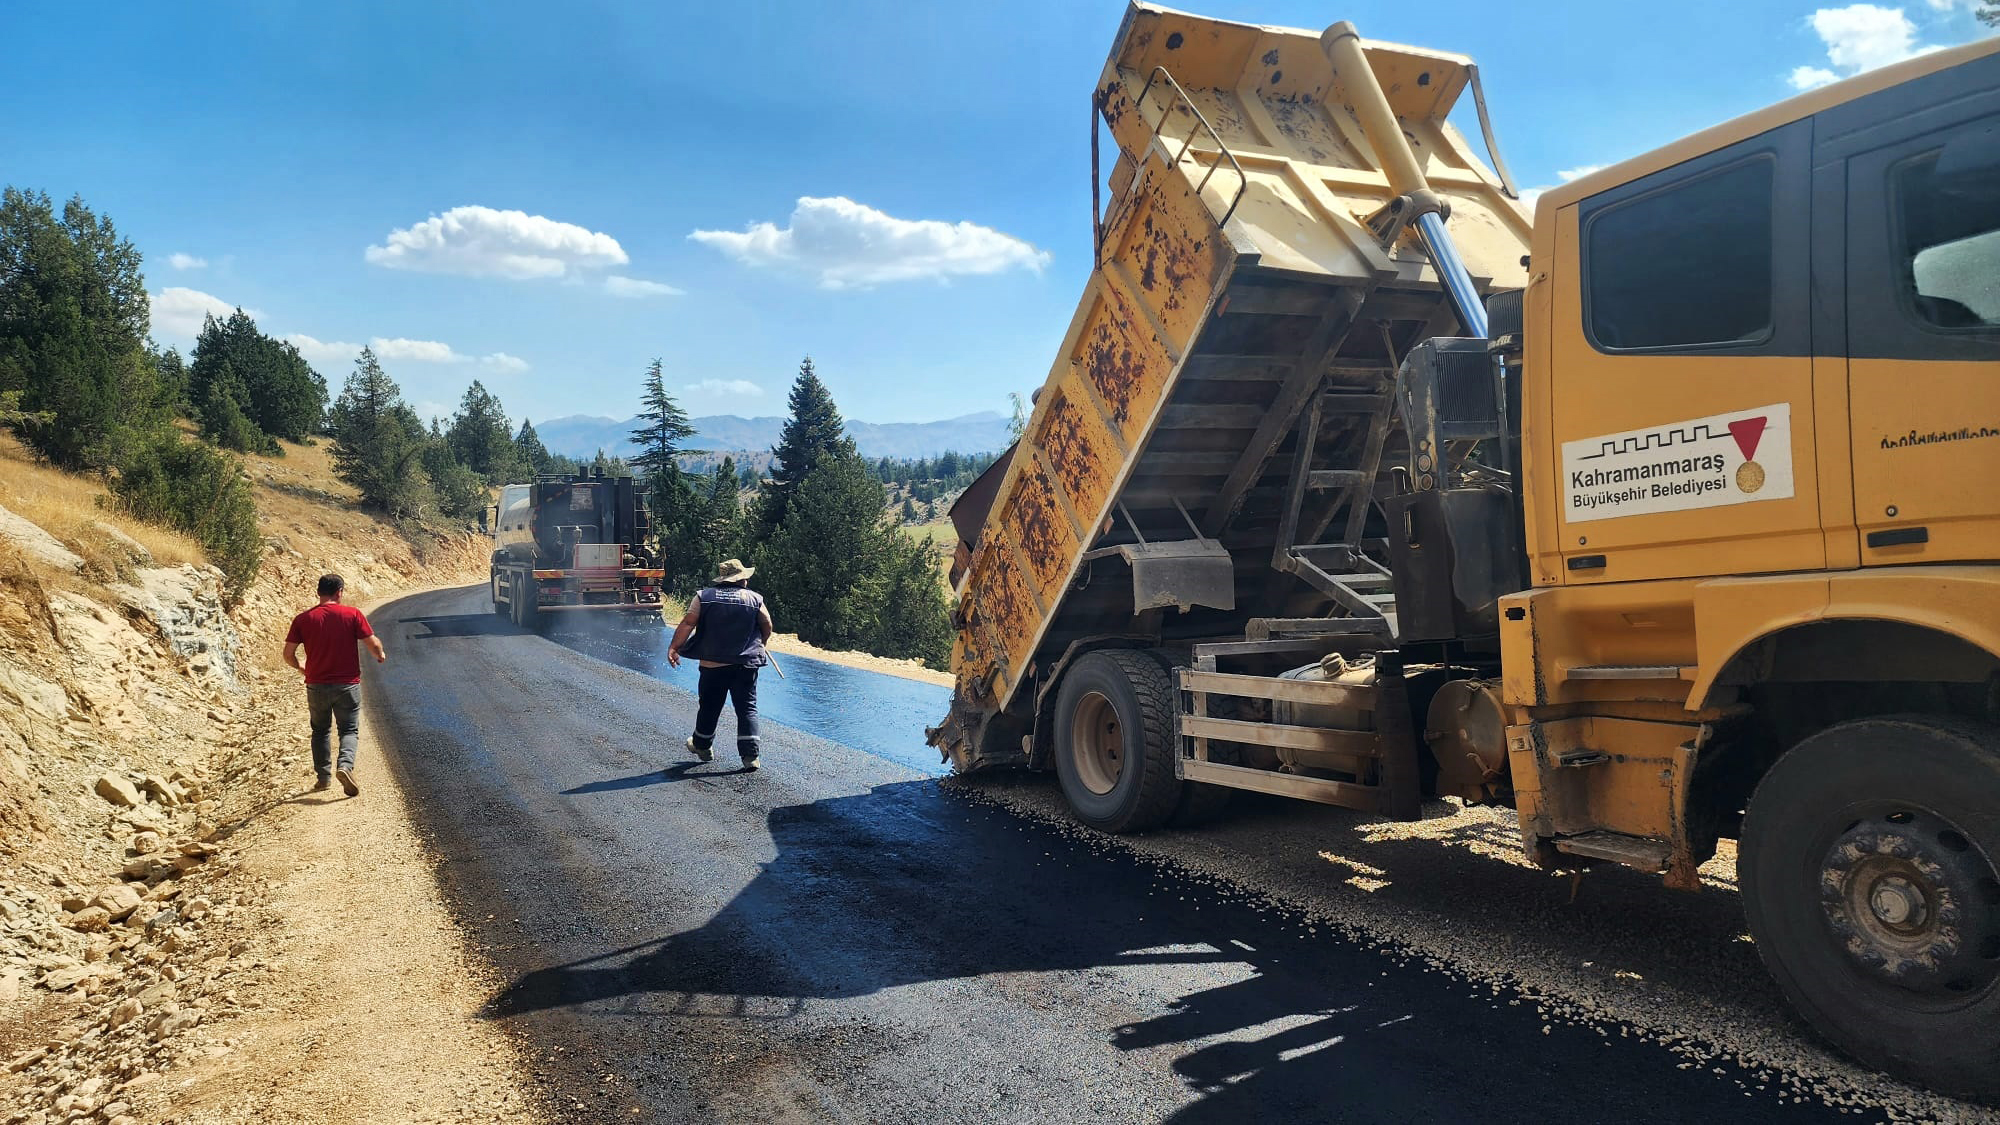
[783,643]
[188,934]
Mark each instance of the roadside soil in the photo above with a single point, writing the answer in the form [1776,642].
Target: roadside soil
[369,1003]
[187,933]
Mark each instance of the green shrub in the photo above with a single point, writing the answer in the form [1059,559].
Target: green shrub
[196,489]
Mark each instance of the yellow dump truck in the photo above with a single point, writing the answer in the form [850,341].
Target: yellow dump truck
[1670,517]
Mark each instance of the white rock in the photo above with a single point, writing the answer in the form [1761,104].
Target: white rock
[32,541]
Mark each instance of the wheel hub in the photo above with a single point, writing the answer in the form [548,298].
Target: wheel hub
[1913,903]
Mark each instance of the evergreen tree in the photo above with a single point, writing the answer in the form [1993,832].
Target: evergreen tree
[170,379]
[909,510]
[238,373]
[914,619]
[814,432]
[461,494]
[528,444]
[678,510]
[821,568]
[378,441]
[73,320]
[481,439]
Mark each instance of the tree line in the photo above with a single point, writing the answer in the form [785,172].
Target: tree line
[83,386]
[833,567]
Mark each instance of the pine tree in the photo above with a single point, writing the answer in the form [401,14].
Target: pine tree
[480,437]
[378,441]
[913,620]
[534,455]
[240,374]
[821,568]
[676,510]
[73,319]
[814,431]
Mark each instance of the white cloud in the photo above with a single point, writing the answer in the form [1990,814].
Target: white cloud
[178,312]
[636,287]
[1864,36]
[430,410]
[501,361]
[484,242]
[418,351]
[1530,195]
[186,261]
[849,245]
[323,353]
[1861,37]
[735,388]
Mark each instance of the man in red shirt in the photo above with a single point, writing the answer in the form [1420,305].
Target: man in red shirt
[332,670]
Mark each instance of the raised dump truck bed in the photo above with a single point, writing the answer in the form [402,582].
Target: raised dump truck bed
[1200,460]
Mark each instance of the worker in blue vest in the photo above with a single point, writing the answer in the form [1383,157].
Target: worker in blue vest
[725,629]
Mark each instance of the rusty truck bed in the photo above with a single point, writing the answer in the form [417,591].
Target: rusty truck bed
[1237,284]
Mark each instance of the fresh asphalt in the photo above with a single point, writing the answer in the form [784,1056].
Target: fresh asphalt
[840,937]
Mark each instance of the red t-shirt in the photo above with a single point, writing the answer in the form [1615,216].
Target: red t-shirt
[330,632]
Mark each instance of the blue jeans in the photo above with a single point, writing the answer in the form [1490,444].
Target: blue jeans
[331,705]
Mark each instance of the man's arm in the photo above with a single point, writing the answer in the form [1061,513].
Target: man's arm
[374,644]
[292,657]
[764,621]
[681,634]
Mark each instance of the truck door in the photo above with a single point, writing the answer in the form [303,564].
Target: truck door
[1682,403]
[1920,167]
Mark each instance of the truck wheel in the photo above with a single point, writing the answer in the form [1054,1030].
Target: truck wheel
[1115,735]
[527,614]
[1199,803]
[1869,880]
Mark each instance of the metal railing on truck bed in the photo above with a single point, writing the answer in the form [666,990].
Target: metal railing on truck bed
[1253,269]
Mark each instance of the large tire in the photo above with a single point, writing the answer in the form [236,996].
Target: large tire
[1869,880]
[532,618]
[1115,735]
[500,608]
[1199,803]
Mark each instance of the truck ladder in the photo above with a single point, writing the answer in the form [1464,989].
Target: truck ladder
[1341,568]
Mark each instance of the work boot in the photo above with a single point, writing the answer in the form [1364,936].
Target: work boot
[324,783]
[705,755]
[347,784]
[750,764]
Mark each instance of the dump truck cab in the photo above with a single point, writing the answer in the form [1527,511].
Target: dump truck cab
[1668,520]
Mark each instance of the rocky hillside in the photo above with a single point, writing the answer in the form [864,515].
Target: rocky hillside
[143,724]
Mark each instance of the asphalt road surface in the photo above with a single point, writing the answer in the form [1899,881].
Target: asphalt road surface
[841,937]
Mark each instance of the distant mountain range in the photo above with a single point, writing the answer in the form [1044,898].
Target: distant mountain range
[582,436]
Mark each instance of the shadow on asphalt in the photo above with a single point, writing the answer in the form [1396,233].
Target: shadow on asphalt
[679,771]
[909,884]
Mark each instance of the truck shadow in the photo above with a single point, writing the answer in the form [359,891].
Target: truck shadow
[912,884]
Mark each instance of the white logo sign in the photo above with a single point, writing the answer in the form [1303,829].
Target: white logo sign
[1728,459]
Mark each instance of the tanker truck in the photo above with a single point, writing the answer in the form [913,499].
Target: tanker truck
[572,544]
[1660,512]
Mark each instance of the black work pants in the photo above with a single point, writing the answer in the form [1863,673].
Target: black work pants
[739,685]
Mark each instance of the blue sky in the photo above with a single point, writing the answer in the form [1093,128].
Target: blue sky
[508,191]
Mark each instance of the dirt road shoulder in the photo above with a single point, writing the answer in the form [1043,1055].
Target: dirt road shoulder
[368,1007]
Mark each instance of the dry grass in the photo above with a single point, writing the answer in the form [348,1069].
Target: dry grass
[66,506]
